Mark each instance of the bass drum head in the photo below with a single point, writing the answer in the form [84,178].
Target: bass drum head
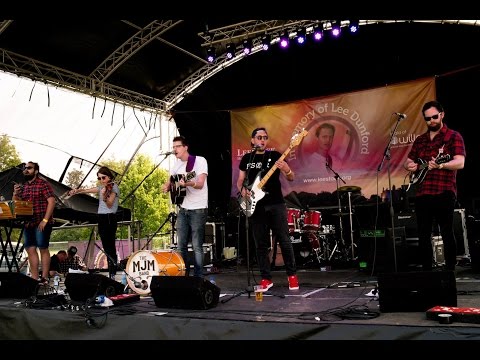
[144,264]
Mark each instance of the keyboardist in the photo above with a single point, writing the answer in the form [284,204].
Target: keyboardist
[38,228]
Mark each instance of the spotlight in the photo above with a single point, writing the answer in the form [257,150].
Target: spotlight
[230,51]
[266,42]
[336,30]
[353,26]
[284,40]
[318,33]
[301,37]
[211,54]
[247,46]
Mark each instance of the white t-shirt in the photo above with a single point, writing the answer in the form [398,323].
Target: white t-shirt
[194,198]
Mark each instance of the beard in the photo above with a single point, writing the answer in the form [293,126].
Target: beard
[28,177]
[434,127]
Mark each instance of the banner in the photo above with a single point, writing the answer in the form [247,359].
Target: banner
[360,124]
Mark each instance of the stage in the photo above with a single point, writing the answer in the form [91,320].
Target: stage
[337,304]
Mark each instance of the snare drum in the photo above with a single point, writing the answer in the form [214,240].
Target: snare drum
[293,218]
[144,264]
[312,220]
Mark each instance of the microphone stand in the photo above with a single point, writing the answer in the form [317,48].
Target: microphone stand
[386,155]
[337,177]
[249,288]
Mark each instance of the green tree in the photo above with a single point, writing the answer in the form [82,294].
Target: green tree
[74,178]
[10,157]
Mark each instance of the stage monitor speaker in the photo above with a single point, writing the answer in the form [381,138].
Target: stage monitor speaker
[416,291]
[17,286]
[81,287]
[184,292]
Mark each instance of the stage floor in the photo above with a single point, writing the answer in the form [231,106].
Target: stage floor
[340,304]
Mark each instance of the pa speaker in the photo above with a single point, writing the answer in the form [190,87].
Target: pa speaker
[16,285]
[81,287]
[416,291]
[184,292]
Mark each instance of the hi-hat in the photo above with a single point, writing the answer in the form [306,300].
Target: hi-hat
[349,188]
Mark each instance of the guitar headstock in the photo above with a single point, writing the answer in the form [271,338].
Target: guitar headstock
[297,138]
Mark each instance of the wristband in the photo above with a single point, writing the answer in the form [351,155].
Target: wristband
[194,184]
[440,166]
[45,220]
[288,172]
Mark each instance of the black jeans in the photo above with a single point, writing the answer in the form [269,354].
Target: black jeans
[440,208]
[272,217]
[107,229]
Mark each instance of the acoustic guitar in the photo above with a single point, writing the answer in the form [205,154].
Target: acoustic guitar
[177,192]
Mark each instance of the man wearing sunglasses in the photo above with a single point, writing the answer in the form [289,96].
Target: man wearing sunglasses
[270,213]
[38,229]
[436,194]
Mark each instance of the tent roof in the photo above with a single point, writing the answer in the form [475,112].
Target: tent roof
[153,62]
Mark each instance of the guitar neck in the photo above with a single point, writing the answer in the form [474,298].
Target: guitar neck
[262,183]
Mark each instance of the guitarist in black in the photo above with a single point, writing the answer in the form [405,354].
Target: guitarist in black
[193,209]
[436,194]
[271,212]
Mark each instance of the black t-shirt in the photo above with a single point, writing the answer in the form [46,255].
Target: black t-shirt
[54,263]
[259,165]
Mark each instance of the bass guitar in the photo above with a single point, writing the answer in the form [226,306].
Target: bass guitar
[248,204]
[177,192]
[418,176]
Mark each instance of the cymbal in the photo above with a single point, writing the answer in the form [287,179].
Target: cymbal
[349,188]
[340,214]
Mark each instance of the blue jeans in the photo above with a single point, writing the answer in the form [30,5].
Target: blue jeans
[36,238]
[192,222]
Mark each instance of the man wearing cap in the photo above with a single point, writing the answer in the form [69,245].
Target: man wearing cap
[73,261]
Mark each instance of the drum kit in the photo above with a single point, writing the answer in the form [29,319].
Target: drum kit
[314,241]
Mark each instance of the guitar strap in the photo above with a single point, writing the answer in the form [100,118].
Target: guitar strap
[190,162]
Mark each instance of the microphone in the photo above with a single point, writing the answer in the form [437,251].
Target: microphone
[256,146]
[168,153]
[402,116]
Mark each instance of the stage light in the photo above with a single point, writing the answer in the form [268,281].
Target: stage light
[230,51]
[336,30]
[211,54]
[301,36]
[266,42]
[284,40]
[247,46]
[353,26]
[318,33]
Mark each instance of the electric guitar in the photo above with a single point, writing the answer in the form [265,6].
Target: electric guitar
[248,204]
[177,192]
[418,176]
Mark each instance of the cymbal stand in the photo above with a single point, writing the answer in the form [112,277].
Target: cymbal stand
[342,241]
[351,224]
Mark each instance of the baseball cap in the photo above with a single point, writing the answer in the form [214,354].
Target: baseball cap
[72,250]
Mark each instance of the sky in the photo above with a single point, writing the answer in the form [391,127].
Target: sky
[48,125]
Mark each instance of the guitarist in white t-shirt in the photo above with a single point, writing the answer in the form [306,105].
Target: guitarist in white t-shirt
[190,173]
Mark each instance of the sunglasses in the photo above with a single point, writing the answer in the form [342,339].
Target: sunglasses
[28,168]
[434,117]
[101,178]
[260,137]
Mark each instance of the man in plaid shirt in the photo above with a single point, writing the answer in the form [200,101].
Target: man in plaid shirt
[73,261]
[37,229]
[441,151]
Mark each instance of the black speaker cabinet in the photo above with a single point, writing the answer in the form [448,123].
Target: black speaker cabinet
[416,291]
[81,287]
[16,285]
[184,292]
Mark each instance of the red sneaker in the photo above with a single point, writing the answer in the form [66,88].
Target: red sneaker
[293,282]
[266,284]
